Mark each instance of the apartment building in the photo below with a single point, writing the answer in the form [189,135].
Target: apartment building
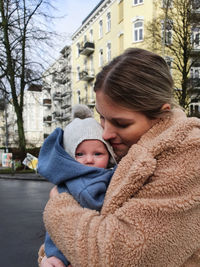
[110,28]
[195,70]
[32,117]
[57,93]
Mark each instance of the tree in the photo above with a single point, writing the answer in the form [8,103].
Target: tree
[23,35]
[172,31]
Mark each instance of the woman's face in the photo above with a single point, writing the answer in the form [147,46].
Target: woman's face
[123,127]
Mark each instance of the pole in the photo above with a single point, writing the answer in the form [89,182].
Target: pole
[167,2]
[6,125]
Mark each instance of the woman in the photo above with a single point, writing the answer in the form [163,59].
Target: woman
[151,212]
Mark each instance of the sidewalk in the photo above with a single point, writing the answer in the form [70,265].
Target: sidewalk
[23,176]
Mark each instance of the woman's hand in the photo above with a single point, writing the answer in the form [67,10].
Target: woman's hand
[53,192]
[51,262]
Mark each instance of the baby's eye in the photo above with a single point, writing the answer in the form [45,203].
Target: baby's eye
[98,154]
[79,154]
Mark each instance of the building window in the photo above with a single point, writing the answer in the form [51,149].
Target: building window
[121,42]
[169,63]
[108,21]
[100,28]
[85,38]
[137,2]
[196,38]
[121,10]
[78,73]
[91,63]
[86,94]
[108,51]
[85,64]
[166,4]
[195,72]
[138,31]
[167,32]
[91,35]
[195,4]
[101,57]
[78,49]
[78,96]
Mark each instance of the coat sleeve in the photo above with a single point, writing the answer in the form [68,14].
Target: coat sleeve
[159,226]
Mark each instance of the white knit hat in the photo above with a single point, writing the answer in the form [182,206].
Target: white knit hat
[86,128]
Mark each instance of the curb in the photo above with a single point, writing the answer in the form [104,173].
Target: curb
[23,177]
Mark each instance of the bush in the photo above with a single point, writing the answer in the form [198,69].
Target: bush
[17,155]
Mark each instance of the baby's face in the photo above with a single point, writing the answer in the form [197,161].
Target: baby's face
[92,153]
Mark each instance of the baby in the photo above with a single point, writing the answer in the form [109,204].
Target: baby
[79,162]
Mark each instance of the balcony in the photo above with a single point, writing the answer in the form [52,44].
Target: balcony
[47,119]
[66,117]
[87,49]
[46,87]
[195,51]
[45,135]
[47,102]
[65,106]
[194,84]
[90,102]
[194,110]
[57,96]
[65,78]
[86,75]
[66,93]
[195,9]
[57,115]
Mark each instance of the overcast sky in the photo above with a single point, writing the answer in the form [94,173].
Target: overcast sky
[75,12]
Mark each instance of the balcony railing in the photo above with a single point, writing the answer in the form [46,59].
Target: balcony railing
[195,6]
[47,102]
[87,48]
[67,93]
[45,135]
[90,102]
[65,106]
[46,87]
[86,75]
[194,83]
[66,117]
[47,119]
[57,96]
[194,110]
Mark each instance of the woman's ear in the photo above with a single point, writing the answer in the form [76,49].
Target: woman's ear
[166,106]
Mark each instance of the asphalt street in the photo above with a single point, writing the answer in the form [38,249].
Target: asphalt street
[21,226]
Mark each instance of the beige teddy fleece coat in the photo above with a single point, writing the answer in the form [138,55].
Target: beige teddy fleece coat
[151,212]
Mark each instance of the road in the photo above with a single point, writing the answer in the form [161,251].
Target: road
[21,226]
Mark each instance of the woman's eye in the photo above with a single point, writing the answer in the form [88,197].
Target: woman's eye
[121,125]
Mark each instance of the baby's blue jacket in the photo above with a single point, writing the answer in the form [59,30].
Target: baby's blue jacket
[86,184]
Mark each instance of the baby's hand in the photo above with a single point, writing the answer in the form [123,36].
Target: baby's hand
[51,262]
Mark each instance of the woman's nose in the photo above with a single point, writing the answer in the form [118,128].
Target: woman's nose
[108,132]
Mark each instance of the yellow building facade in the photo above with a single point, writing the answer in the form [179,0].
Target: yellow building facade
[110,28]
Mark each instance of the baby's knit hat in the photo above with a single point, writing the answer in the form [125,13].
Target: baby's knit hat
[83,127]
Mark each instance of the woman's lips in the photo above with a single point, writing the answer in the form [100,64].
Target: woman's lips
[116,145]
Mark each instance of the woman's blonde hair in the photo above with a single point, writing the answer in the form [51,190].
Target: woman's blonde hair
[139,80]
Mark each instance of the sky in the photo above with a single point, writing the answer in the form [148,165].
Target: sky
[75,11]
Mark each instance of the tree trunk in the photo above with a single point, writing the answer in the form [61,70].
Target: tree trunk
[22,140]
